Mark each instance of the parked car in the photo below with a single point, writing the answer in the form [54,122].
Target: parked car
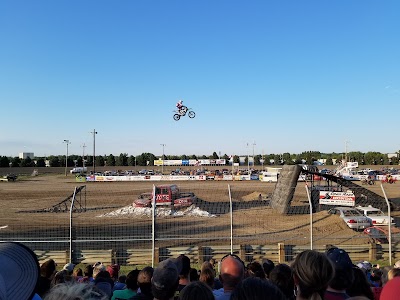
[377,216]
[352,217]
[380,234]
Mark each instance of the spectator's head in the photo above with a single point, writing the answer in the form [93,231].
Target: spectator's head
[254,288]
[61,277]
[166,279]
[193,274]
[73,291]
[48,268]
[395,272]
[77,272]
[365,266]
[397,264]
[213,262]
[185,262]
[69,268]
[282,277]
[391,290]
[207,276]
[122,278]
[114,271]
[361,285]
[255,269]
[376,277]
[88,271]
[19,271]
[97,268]
[196,291]
[232,271]
[268,265]
[343,276]
[312,272]
[132,280]
[144,280]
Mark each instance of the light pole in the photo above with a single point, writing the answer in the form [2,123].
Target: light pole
[94,132]
[162,159]
[83,156]
[248,160]
[67,142]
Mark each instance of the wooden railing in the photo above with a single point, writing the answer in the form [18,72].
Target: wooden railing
[279,253]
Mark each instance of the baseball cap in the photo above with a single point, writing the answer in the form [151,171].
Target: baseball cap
[340,258]
[166,274]
[69,267]
[19,271]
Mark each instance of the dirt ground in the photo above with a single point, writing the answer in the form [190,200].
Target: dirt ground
[254,221]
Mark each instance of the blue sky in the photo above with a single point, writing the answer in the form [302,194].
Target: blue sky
[288,76]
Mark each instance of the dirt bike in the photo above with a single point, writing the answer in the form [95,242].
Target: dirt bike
[389,180]
[182,111]
[366,181]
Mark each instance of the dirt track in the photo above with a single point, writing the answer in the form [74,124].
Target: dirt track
[254,221]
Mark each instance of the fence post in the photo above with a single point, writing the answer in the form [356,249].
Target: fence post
[156,255]
[242,252]
[200,251]
[372,251]
[281,253]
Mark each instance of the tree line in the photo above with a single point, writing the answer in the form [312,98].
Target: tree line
[147,159]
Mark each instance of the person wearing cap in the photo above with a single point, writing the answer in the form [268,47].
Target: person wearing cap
[69,268]
[165,279]
[19,272]
[343,275]
[231,274]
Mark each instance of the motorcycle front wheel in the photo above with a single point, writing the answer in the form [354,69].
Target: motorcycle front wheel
[191,114]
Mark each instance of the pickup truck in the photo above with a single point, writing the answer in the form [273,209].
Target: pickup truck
[9,177]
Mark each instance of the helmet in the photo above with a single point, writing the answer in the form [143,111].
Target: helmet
[180,101]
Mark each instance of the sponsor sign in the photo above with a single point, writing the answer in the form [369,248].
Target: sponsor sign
[337,198]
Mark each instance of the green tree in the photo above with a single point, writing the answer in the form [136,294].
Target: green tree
[110,160]
[100,160]
[4,162]
[27,162]
[122,160]
[40,162]
[329,161]
[214,155]
[131,160]
[54,161]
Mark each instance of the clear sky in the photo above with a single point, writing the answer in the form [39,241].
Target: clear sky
[287,76]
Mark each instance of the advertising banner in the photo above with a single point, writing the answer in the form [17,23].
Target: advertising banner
[337,198]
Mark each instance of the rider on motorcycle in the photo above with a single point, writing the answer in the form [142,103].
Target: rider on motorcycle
[179,104]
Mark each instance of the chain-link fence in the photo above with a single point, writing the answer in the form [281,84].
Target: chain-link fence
[90,222]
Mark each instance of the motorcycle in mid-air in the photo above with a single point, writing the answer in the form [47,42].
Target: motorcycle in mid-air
[183,110]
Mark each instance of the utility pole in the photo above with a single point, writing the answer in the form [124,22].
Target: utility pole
[162,164]
[66,157]
[94,132]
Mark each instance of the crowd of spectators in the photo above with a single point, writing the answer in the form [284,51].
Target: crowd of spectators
[312,275]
